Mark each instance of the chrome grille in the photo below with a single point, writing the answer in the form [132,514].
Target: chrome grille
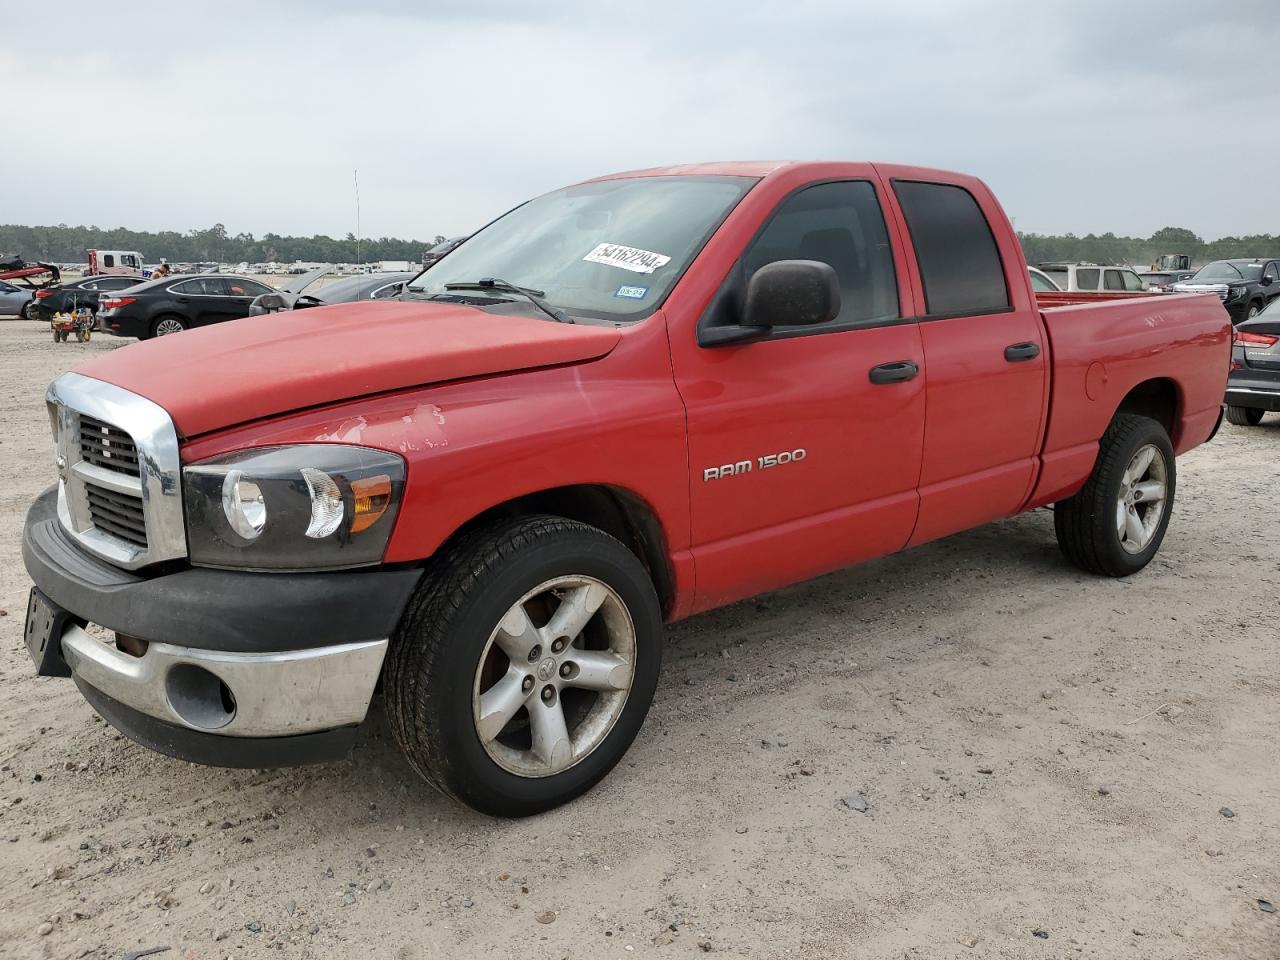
[106,446]
[117,513]
[120,492]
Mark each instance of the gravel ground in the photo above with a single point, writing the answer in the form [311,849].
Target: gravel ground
[966,750]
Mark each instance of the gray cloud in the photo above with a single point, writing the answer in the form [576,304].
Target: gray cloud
[1099,116]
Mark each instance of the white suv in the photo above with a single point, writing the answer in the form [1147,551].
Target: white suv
[1092,278]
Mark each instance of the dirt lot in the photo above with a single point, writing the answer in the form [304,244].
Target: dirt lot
[1037,751]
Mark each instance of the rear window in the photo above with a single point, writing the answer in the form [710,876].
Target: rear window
[959,262]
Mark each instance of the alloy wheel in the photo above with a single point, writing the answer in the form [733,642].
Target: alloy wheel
[1141,501]
[554,676]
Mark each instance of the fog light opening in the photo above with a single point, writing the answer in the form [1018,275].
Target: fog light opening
[199,697]
[133,646]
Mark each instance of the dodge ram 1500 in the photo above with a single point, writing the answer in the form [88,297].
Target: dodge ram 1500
[622,403]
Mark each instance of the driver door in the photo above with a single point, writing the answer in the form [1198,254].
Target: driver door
[804,458]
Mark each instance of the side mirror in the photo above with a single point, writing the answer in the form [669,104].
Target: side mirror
[786,293]
[1266,281]
[271,302]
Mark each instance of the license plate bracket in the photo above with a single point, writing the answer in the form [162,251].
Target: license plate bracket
[46,622]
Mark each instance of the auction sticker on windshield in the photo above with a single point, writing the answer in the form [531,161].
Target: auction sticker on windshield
[628,258]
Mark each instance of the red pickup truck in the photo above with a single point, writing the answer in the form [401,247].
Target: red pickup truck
[620,404]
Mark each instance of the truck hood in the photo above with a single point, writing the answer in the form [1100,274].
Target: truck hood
[257,367]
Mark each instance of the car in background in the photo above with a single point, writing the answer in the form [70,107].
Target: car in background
[1161,281]
[15,301]
[441,250]
[85,292]
[1041,282]
[1253,385]
[1093,278]
[157,308]
[1244,286]
[372,286]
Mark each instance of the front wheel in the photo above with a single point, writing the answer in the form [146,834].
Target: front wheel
[525,666]
[1244,416]
[1115,524]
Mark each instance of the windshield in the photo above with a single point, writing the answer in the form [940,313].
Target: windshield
[1225,270]
[610,249]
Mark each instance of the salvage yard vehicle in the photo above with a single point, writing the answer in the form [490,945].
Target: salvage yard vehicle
[622,403]
[115,262]
[1091,277]
[368,286]
[69,296]
[1253,386]
[158,308]
[1245,286]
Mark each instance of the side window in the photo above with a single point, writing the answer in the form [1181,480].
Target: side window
[959,262]
[1112,280]
[239,287]
[121,283]
[385,293]
[1132,281]
[199,287]
[840,224]
[1272,271]
[7,287]
[108,259]
[1087,279]
[1041,284]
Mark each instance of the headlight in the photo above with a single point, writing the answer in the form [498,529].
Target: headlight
[1235,293]
[315,506]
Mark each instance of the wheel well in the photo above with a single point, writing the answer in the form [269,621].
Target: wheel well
[616,511]
[1157,399]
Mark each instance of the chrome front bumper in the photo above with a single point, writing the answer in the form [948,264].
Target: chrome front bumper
[232,694]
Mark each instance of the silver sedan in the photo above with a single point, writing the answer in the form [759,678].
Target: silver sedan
[14,300]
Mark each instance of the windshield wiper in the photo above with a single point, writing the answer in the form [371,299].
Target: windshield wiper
[533,296]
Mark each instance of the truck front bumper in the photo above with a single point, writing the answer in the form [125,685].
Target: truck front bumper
[219,667]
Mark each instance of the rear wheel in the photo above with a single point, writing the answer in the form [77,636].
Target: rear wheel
[1244,416]
[1115,524]
[525,665]
[1253,311]
[168,324]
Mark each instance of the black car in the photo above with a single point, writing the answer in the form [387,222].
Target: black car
[1253,386]
[1244,286]
[85,292]
[173,304]
[368,286]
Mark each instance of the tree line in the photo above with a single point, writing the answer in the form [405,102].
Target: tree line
[1139,251]
[64,244]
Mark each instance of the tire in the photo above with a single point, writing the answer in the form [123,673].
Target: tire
[24,312]
[1088,524]
[1244,416]
[169,323]
[449,647]
[1253,311]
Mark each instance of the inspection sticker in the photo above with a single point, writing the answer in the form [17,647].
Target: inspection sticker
[628,258]
[632,293]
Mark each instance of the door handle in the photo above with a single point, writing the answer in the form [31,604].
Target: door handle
[899,371]
[181,300]
[1016,352]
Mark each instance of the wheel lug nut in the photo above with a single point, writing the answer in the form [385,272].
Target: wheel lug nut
[557,645]
[566,669]
[547,693]
[527,685]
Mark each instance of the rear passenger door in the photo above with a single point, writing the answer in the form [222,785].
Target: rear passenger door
[240,294]
[985,355]
[1112,280]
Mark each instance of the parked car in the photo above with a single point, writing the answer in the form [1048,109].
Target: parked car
[1162,281]
[700,384]
[1041,282]
[85,292]
[172,304]
[1092,278]
[1244,286]
[373,286]
[15,301]
[1253,386]
[440,250]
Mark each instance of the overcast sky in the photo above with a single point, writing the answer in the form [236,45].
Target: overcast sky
[1083,116]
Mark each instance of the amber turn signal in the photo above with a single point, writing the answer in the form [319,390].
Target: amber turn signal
[372,496]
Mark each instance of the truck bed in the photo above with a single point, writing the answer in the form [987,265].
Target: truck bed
[1102,345]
